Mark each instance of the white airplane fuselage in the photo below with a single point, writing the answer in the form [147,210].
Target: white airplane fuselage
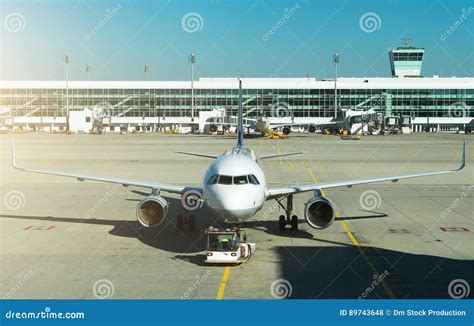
[241,196]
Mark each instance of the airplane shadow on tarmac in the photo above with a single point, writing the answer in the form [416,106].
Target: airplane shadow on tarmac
[340,272]
[331,271]
[165,237]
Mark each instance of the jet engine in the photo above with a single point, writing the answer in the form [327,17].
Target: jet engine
[286,130]
[319,213]
[261,126]
[152,211]
[212,128]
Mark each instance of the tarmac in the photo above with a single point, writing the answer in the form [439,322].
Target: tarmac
[64,239]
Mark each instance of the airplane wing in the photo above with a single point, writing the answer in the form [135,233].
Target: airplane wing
[225,123]
[124,182]
[277,125]
[294,189]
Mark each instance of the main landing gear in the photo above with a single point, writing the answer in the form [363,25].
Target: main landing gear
[287,219]
[185,221]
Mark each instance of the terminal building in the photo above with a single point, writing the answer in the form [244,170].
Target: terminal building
[437,101]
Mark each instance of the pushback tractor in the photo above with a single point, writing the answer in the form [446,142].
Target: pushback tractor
[227,246]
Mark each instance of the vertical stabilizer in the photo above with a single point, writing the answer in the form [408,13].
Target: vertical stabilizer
[240,119]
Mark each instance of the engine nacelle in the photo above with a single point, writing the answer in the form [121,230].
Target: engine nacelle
[152,211]
[319,213]
[212,128]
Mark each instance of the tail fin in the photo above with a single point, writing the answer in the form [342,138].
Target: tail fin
[240,119]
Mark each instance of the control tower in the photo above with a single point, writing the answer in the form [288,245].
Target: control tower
[406,61]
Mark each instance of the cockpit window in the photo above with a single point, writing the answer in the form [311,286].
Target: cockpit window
[237,180]
[253,179]
[225,180]
[240,180]
[213,179]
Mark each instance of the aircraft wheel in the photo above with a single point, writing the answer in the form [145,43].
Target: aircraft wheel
[312,128]
[180,222]
[294,222]
[192,222]
[281,223]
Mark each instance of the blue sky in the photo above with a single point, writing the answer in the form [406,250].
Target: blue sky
[230,38]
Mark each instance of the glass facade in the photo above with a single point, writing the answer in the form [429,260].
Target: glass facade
[177,102]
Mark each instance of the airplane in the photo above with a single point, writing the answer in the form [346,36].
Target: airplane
[265,125]
[235,187]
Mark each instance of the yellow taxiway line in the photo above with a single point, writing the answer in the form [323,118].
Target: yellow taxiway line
[220,293]
[354,240]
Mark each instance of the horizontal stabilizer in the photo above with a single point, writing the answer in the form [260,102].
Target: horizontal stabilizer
[279,155]
[197,154]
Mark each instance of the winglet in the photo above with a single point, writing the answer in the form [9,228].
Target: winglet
[13,154]
[463,157]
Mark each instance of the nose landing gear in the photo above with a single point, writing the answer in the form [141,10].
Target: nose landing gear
[185,221]
[287,219]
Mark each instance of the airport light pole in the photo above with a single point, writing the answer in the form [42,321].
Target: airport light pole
[192,60]
[66,60]
[335,59]
[146,70]
[88,71]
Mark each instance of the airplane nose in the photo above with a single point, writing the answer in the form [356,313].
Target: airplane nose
[227,201]
[232,205]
